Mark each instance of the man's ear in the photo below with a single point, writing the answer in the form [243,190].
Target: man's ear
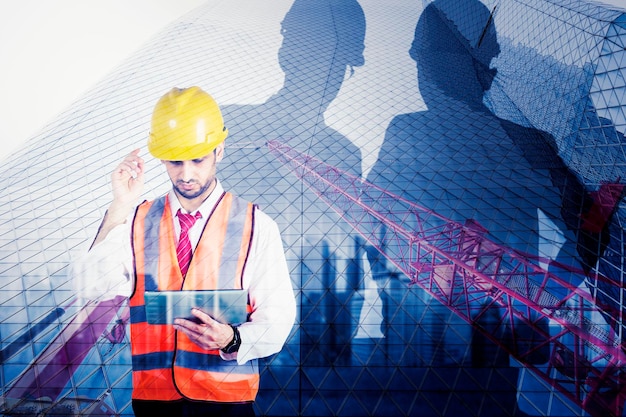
[219,152]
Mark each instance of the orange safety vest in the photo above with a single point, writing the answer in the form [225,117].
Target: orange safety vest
[167,365]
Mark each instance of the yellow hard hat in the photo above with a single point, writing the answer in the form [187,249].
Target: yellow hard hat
[186,124]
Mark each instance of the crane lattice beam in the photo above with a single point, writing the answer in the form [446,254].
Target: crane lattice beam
[459,266]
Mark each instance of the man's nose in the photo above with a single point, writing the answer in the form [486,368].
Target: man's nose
[186,171]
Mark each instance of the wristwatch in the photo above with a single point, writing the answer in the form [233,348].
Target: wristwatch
[233,345]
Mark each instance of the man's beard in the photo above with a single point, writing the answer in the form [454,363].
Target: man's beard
[190,195]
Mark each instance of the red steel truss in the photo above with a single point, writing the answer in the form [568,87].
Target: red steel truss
[459,266]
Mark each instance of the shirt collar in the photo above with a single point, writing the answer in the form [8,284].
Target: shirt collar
[205,209]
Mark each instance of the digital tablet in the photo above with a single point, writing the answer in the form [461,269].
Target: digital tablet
[225,306]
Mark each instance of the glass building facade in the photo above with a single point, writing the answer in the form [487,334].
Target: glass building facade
[510,114]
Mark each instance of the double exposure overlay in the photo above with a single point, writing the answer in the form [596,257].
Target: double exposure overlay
[449,181]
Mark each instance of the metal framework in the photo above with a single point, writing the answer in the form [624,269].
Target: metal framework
[459,266]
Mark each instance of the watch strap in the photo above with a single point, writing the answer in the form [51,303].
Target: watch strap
[233,345]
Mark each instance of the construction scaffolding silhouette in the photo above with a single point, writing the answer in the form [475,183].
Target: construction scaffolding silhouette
[467,272]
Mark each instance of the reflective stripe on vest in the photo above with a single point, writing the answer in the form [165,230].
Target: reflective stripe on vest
[166,364]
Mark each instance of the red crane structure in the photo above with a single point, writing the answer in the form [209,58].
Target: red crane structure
[459,266]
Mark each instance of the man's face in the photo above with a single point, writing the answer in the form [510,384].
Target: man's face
[194,179]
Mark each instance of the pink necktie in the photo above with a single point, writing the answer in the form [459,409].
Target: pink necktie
[183,250]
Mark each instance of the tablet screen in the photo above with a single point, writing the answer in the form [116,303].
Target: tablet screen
[225,306]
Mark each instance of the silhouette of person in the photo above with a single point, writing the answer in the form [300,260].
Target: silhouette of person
[463,162]
[321,40]
[322,43]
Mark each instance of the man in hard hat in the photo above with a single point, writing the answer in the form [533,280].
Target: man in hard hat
[197,237]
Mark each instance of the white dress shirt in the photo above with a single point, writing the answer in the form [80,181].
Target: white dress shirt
[106,271]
